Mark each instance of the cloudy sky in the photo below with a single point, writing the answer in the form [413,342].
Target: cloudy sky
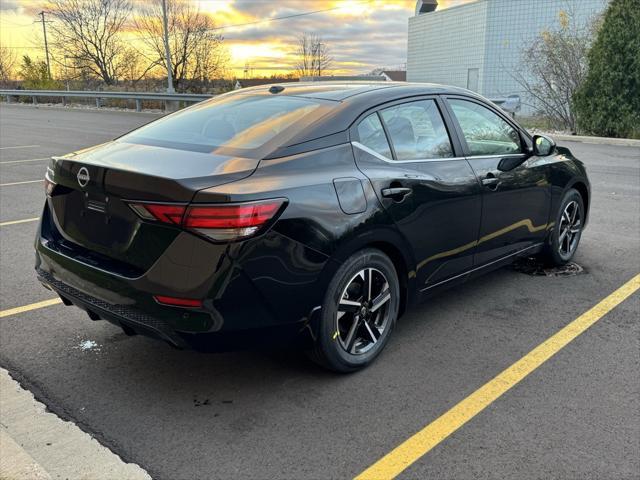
[361,34]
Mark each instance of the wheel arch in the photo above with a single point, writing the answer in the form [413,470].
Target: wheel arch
[583,190]
[389,242]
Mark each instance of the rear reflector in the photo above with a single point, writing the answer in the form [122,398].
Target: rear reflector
[219,222]
[178,302]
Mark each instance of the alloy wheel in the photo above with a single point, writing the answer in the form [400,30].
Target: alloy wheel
[363,311]
[569,228]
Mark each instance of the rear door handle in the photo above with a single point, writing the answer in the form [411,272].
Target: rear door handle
[397,193]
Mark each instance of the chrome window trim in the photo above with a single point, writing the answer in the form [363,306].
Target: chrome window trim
[368,150]
[471,157]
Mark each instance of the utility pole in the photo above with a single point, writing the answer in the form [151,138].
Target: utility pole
[167,51]
[46,45]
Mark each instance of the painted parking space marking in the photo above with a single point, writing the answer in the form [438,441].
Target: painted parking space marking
[7,162]
[15,222]
[412,449]
[20,183]
[28,308]
[19,146]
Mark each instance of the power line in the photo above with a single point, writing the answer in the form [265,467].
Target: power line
[264,20]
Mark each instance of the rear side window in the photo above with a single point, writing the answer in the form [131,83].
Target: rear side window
[417,131]
[485,132]
[371,135]
[234,124]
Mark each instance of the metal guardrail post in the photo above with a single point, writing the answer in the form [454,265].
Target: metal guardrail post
[138,105]
[64,101]
[98,102]
[35,100]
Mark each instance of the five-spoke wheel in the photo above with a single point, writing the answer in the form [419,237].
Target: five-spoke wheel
[565,236]
[360,308]
[363,311]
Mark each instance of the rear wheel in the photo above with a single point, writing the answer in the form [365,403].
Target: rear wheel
[359,312]
[568,229]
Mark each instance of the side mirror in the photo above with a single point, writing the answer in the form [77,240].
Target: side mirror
[543,145]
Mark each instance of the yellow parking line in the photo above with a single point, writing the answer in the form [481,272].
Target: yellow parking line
[27,308]
[14,222]
[20,183]
[27,160]
[405,454]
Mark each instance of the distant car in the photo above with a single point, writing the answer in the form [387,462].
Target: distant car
[309,214]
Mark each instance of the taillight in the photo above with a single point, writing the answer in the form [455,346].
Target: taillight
[221,222]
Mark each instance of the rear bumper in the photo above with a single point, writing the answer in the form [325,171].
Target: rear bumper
[264,288]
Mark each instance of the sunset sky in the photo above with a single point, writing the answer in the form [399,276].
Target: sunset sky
[361,34]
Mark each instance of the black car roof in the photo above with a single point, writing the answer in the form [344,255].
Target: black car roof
[342,91]
[351,100]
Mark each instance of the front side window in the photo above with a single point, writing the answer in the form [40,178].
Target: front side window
[371,135]
[485,132]
[417,131]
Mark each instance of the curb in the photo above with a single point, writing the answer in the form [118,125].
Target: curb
[16,463]
[35,442]
[627,142]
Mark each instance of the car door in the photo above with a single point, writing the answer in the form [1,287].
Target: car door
[420,178]
[515,187]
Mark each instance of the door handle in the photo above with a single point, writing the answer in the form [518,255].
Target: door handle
[397,193]
[490,181]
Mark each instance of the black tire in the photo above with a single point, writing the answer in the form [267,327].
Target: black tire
[555,253]
[331,349]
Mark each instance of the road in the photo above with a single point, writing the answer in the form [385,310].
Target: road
[255,415]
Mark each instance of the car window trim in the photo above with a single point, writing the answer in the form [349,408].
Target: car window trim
[370,151]
[491,108]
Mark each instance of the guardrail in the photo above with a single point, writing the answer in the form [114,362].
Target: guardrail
[139,97]
[509,104]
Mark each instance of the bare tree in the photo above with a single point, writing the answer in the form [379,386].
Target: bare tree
[312,55]
[553,68]
[196,50]
[90,31]
[7,63]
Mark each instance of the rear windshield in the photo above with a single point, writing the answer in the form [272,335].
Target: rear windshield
[233,124]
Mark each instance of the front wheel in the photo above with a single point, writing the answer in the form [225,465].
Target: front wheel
[567,231]
[359,312]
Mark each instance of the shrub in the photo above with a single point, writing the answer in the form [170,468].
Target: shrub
[608,101]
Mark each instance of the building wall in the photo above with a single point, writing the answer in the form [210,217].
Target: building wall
[512,26]
[444,45]
[502,29]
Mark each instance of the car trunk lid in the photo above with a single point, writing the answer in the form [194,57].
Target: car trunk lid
[89,204]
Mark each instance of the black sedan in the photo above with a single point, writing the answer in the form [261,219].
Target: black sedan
[310,214]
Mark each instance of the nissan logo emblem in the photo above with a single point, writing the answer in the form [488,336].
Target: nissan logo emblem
[83,177]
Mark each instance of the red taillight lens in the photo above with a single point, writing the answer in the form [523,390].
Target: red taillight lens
[164,213]
[219,222]
[231,216]
[178,302]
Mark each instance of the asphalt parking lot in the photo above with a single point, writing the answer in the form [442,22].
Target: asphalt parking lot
[183,415]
